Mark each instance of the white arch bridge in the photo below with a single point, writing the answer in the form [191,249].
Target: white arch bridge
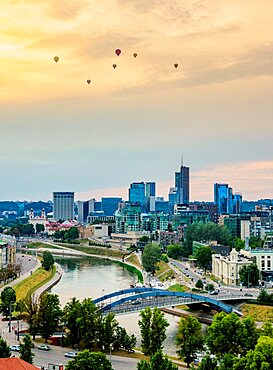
[135,299]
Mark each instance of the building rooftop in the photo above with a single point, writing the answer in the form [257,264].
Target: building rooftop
[15,364]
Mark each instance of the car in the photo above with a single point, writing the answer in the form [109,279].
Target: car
[215,292]
[248,295]
[15,347]
[70,354]
[44,347]
[136,301]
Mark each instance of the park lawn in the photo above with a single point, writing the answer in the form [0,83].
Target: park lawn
[33,282]
[178,288]
[101,251]
[257,312]
[38,245]
[134,260]
[164,271]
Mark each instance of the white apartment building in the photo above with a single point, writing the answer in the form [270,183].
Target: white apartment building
[226,268]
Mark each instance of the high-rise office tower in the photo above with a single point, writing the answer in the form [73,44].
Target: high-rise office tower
[110,205]
[237,203]
[137,193]
[182,183]
[150,196]
[63,205]
[85,208]
[223,198]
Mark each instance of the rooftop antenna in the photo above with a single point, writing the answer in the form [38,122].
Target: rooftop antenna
[182,160]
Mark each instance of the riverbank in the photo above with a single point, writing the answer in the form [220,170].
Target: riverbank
[29,285]
[115,256]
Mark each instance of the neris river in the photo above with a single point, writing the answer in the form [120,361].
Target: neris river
[92,277]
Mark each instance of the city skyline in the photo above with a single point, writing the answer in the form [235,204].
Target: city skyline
[133,123]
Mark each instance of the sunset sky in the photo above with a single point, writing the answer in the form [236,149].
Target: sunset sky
[134,122]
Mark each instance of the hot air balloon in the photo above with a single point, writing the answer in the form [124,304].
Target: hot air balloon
[118,52]
[88,81]
[135,55]
[114,66]
[56,59]
[175,65]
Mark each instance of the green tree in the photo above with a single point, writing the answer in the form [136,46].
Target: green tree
[25,350]
[199,284]
[258,359]
[157,362]
[40,228]
[189,339]
[255,242]
[48,261]
[4,349]
[28,229]
[238,244]
[267,329]
[242,335]
[71,313]
[86,360]
[49,314]
[175,251]
[150,257]
[88,321]
[265,297]
[123,340]
[203,257]
[208,363]
[144,239]
[153,328]
[73,233]
[106,332]
[8,298]
[209,287]
[208,232]
[249,274]
[31,314]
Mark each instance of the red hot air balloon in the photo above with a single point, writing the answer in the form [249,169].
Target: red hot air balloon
[114,66]
[118,52]
[88,81]
[175,65]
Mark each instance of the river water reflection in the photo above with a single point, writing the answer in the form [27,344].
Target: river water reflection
[90,277]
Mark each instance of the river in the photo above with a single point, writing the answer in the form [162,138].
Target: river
[92,277]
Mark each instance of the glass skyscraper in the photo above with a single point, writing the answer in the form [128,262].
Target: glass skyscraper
[63,205]
[223,198]
[182,183]
[137,193]
[150,196]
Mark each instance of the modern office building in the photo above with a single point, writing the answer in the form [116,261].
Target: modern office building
[150,194]
[237,203]
[110,205]
[223,198]
[128,217]
[172,199]
[137,193]
[63,205]
[182,183]
[211,208]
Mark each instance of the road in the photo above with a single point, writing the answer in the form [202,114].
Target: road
[193,275]
[56,356]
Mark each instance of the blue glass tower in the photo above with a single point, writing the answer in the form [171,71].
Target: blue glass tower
[137,193]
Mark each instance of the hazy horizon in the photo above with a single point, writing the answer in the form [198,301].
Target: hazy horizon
[134,122]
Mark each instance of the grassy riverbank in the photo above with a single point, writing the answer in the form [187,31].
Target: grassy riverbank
[28,286]
[257,312]
[131,269]
[38,245]
[164,271]
[100,251]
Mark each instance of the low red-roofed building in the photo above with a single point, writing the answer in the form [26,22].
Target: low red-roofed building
[15,364]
